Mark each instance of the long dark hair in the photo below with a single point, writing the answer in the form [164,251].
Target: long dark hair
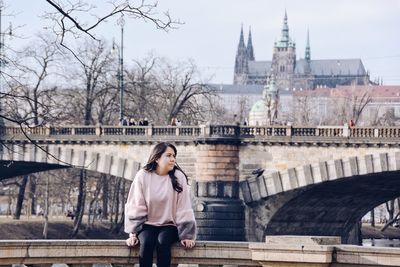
[151,164]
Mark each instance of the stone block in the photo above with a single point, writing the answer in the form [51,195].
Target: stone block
[339,168]
[121,167]
[262,187]
[254,190]
[384,162]
[308,174]
[81,158]
[32,153]
[293,180]
[276,178]
[354,166]
[20,151]
[273,183]
[397,160]
[245,189]
[43,153]
[68,155]
[93,161]
[323,169]
[303,240]
[107,164]
[369,163]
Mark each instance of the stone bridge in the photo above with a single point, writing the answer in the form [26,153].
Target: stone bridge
[316,180]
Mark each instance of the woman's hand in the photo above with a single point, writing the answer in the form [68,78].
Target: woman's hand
[132,241]
[188,243]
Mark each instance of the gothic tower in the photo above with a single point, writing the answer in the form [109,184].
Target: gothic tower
[241,62]
[284,58]
[250,50]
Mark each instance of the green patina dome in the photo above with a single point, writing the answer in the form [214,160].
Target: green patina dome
[259,106]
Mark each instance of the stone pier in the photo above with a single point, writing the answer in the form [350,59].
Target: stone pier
[219,211]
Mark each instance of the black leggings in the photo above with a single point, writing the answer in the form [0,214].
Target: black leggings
[159,237]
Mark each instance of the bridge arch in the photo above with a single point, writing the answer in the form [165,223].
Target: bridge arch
[325,198]
[20,159]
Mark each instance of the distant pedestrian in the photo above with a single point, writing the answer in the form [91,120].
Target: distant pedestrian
[351,124]
[173,121]
[99,212]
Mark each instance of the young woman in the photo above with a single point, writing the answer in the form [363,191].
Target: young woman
[158,211]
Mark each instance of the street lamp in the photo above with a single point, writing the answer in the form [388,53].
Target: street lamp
[120,73]
[2,60]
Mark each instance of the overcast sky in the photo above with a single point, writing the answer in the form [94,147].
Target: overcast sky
[366,29]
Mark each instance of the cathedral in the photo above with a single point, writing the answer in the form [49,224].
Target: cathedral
[291,73]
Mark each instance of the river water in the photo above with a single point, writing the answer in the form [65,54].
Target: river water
[381,242]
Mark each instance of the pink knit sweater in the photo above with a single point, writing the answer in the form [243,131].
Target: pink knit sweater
[152,200]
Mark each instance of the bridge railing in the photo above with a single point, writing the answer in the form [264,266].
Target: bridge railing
[224,131]
[206,253]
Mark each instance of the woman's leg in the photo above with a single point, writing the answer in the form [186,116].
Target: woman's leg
[166,237]
[147,238]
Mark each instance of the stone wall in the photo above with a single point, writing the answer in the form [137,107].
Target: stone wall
[281,157]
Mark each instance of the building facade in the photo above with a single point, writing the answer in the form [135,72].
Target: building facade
[291,73]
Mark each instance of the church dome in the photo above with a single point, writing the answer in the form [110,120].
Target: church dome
[258,114]
[259,106]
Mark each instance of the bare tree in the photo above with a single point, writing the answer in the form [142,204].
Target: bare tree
[182,91]
[72,19]
[80,205]
[141,89]
[392,218]
[93,75]
[28,98]
[358,104]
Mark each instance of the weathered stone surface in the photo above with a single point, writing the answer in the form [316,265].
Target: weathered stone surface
[303,240]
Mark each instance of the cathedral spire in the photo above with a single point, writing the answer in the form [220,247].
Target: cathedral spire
[241,39]
[308,50]
[250,50]
[285,31]
[241,61]
[285,40]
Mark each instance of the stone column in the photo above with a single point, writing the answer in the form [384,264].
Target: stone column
[218,210]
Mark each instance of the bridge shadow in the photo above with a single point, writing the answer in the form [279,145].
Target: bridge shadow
[9,169]
[334,208]
[28,158]
[325,198]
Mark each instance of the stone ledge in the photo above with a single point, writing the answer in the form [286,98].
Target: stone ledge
[302,240]
[212,253]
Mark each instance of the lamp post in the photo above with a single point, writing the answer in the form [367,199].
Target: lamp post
[2,60]
[1,63]
[120,74]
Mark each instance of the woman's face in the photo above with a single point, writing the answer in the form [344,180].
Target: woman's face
[166,162]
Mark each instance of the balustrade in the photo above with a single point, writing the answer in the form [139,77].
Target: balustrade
[389,132]
[214,131]
[61,130]
[224,131]
[330,131]
[297,131]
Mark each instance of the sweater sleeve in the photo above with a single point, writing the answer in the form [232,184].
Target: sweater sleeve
[185,220]
[135,207]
